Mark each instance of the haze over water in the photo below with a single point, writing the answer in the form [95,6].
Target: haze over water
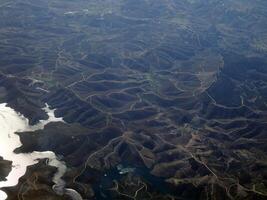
[11,122]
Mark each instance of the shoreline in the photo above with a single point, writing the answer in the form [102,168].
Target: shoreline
[12,122]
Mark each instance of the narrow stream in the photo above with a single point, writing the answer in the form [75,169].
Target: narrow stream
[11,122]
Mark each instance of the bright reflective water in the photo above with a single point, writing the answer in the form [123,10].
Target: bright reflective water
[11,122]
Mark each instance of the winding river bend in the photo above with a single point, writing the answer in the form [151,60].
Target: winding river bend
[12,122]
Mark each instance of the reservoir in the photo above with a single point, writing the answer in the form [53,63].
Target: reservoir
[12,122]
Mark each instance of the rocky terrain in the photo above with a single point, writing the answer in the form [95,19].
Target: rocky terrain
[161,99]
[5,168]
[36,184]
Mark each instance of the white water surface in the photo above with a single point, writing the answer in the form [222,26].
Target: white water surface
[11,122]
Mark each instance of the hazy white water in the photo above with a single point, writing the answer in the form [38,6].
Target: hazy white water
[73,194]
[11,122]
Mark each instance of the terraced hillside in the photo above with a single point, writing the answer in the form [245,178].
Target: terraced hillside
[162,99]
